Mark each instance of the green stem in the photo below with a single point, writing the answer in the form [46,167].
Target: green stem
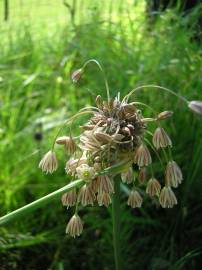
[116,223]
[39,203]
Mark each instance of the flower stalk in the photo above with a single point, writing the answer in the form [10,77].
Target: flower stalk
[116,223]
[39,203]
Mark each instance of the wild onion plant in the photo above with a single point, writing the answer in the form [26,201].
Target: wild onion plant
[116,144]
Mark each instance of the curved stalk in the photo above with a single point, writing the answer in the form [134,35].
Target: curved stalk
[116,223]
[103,73]
[157,87]
[67,122]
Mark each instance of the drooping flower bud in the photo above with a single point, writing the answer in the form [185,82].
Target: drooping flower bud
[196,106]
[99,101]
[164,115]
[76,75]
[68,142]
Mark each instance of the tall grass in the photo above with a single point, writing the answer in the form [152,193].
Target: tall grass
[36,95]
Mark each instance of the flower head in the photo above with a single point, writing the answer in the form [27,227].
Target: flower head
[167,198]
[75,226]
[49,162]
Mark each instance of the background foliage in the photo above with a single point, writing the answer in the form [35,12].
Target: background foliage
[40,46]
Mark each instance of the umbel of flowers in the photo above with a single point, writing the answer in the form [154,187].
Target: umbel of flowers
[117,133]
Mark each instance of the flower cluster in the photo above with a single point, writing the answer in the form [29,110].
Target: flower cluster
[118,139]
[116,133]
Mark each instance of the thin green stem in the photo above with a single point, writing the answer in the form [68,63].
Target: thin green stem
[103,73]
[54,195]
[151,86]
[39,203]
[116,223]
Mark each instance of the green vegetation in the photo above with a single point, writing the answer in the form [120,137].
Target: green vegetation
[37,57]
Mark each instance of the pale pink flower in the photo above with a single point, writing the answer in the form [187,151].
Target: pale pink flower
[75,226]
[167,198]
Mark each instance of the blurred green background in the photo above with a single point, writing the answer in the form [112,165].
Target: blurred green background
[41,43]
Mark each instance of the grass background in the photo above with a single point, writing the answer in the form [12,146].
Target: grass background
[40,46]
